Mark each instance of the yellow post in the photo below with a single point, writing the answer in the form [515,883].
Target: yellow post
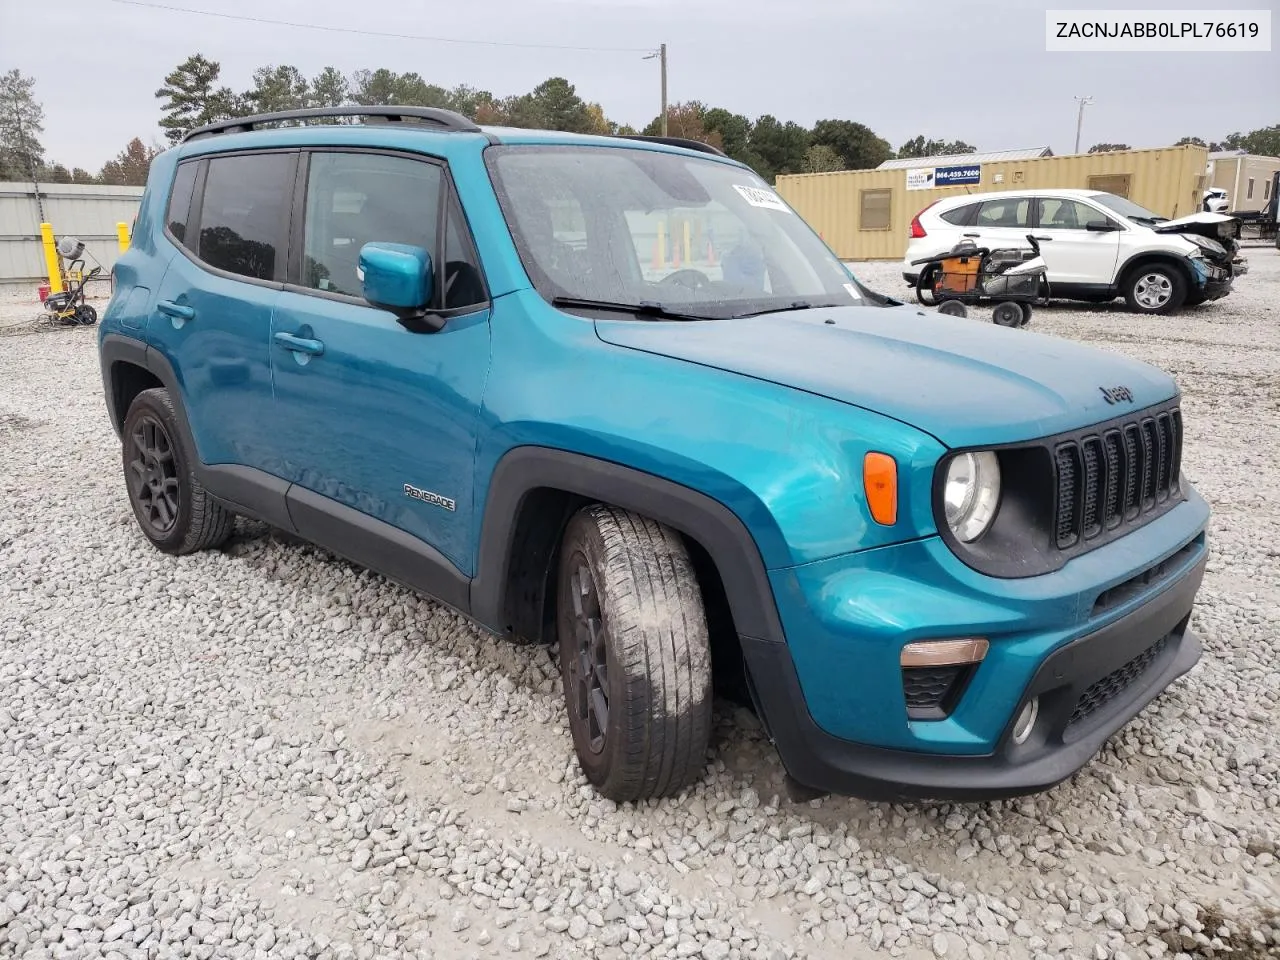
[688,247]
[122,235]
[52,262]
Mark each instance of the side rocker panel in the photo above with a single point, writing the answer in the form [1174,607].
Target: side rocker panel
[526,469]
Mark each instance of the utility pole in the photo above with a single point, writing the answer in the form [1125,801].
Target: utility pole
[1084,102]
[661,55]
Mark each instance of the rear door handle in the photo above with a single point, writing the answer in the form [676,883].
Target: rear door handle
[1042,239]
[300,344]
[176,310]
[975,235]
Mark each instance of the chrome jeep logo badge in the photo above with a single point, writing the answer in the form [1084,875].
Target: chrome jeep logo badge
[1117,394]
[426,496]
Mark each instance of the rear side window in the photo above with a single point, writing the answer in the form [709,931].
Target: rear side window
[359,198]
[1057,213]
[184,182]
[245,212]
[1006,212]
[960,216]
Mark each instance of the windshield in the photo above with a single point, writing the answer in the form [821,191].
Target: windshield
[628,227]
[1128,209]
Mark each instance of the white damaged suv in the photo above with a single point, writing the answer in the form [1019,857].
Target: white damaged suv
[1096,246]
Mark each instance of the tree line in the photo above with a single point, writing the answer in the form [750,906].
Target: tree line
[192,95]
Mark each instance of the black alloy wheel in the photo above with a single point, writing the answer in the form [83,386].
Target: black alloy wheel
[153,476]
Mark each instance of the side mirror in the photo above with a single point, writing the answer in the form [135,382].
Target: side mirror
[1101,226]
[399,277]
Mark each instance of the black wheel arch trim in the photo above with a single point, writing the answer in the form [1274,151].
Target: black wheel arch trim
[1153,257]
[724,536]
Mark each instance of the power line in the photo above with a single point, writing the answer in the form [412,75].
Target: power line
[378,33]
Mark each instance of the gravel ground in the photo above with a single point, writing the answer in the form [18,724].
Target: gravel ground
[266,752]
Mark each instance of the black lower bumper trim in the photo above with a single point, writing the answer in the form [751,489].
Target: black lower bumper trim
[1057,747]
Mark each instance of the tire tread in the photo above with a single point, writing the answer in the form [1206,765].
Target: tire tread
[658,629]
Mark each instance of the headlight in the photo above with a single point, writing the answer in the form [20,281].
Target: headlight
[971,494]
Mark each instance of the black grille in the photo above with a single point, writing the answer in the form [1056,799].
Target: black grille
[932,692]
[1101,692]
[1115,477]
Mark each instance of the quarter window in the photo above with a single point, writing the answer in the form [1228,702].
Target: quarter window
[463,282]
[359,198]
[961,216]
[184,180]
[1005,212]
[245,212]
[1059,214]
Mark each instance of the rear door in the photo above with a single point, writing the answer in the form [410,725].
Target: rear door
[1075,255]
[1001,222]
[213,307]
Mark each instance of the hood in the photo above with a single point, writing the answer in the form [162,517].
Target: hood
[965,381]
[1215,226]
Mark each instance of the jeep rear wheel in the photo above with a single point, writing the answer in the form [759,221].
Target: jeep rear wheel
[634,654]
[1155,288]
[171,506]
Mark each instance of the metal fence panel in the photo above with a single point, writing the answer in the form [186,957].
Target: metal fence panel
[87,211]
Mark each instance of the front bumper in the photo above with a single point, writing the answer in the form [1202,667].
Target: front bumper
[833,697]
[1149,648]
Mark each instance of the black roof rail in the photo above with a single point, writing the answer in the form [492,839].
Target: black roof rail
[444,119]
[677,142]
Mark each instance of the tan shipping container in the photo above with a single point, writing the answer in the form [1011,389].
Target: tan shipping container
[865,214]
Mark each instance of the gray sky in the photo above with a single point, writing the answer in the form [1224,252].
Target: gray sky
[977,71]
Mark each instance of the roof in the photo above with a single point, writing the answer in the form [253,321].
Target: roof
[992,156]
[1027,192]
[401,125]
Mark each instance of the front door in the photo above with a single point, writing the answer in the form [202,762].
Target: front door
[369,416]
[1076,257]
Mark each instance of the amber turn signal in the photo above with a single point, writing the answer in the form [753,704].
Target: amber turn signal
[944,653]
[880,480]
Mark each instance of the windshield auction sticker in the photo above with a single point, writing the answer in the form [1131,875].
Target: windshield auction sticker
[759,197]
[1158,31]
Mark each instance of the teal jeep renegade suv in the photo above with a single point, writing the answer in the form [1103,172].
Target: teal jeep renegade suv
[612,393]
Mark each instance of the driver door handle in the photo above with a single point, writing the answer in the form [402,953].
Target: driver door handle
[975,235]
[1042,238]
[300,344]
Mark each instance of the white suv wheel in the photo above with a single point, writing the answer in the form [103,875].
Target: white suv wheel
[1153,290]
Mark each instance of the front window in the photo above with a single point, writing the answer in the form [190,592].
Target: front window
[628,228]
[1128,209]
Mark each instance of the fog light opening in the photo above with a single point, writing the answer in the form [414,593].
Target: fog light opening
[1026,721]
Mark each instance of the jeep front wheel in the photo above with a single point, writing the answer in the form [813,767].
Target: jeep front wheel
[634,654]
[1155,288]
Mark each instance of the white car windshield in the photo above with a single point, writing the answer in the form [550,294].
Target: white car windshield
[643,231]
[1128,209]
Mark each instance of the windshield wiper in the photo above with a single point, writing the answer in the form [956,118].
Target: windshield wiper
[794,305]
[645,308]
